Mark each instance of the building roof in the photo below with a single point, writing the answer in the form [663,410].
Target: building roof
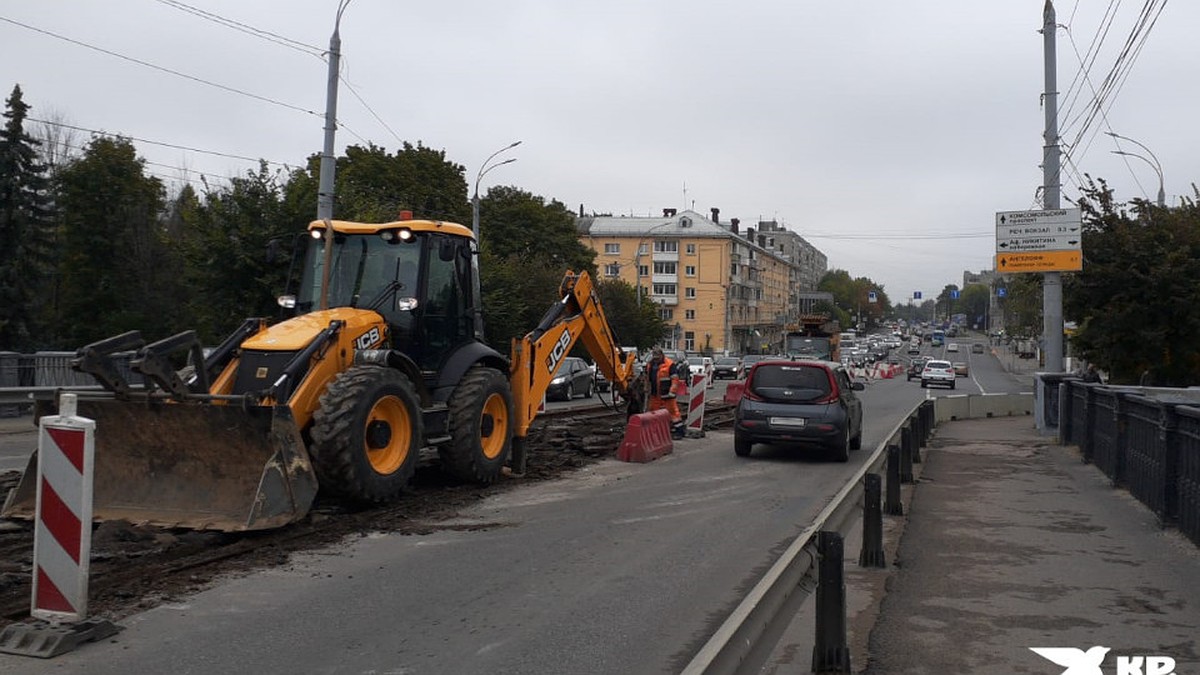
[686,223]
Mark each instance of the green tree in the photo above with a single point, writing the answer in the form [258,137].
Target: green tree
[225,244]
[852,296]
[26,230]
[514,222]
[527,245]
[1022,305]
[516,294]
[117,271]
[374,186]
[1135,300]
[974,303]
[633,324]
[946,303]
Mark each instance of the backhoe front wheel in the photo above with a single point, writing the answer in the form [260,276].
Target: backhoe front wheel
[481,426]
[366,434]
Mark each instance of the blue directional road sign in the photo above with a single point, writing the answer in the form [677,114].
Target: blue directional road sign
[871,297]
[916,295]
[1001,292]
[954,294]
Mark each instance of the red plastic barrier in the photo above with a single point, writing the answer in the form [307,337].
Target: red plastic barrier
[647,437]
[733,392]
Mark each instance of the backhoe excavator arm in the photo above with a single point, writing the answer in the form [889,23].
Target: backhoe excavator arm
[537,356]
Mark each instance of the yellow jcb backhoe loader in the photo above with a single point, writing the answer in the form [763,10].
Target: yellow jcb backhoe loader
[384,357]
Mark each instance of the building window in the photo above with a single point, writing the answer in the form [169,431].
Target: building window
[733,270]
[666,313]
[691,249]
[612,249]
[689,293]
[665,268]
[664,289]
[689,314]
[689,270]
[666,247]
[643,270]
[612,270]
[689,341]
[643,248]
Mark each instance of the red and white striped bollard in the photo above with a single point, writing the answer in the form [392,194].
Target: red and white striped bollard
[62,540]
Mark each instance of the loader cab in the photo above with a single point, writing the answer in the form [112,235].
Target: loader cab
[418,275]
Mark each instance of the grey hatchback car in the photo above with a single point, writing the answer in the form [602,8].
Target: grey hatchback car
[799,403]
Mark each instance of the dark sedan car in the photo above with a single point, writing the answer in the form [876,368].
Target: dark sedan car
[799,403]
[749,360]
[915,367]
[727,367]
[574,377]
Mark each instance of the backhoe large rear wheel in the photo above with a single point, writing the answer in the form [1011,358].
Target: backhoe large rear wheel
[481,426]
[367,434]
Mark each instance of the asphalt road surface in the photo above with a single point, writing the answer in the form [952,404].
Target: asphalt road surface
[619,568]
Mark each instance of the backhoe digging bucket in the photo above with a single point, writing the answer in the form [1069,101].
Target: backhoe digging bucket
[199,466]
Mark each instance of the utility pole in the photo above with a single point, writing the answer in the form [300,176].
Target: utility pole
[1052,297]
[328,161]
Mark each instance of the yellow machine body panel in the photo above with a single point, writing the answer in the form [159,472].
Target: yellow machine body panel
[578,316]
[348,227]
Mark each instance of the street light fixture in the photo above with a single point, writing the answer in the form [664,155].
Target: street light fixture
[1162,195]
[483,169]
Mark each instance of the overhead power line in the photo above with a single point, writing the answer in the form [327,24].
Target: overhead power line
[1114,81]
[166,145]
[291,44]
[247,29]
[176,73]
[898,237]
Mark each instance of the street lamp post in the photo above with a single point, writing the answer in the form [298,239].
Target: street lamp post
[1162,195]
[328,161]
[483,169]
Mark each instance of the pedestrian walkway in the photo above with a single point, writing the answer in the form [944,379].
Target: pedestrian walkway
[1011,543]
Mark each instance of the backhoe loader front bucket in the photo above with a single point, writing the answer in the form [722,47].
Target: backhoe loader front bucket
[190,465]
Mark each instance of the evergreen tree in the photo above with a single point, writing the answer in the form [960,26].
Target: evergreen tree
[26,230]
[117,271]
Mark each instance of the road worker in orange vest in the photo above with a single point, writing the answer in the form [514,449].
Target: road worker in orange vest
[664,382]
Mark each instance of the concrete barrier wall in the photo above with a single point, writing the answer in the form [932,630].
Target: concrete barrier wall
[968,406]
[1001,405]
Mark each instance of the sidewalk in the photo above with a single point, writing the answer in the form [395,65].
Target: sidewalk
[1012,542]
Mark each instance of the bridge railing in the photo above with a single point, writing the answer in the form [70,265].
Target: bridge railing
[23,376]
[1145,439]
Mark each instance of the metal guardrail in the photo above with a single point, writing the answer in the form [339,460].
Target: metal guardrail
[24,377]
[1144,439]
[776,597]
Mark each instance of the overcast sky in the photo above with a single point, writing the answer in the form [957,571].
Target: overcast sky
[887,133]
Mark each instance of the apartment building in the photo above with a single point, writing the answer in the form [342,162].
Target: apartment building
[717,288]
